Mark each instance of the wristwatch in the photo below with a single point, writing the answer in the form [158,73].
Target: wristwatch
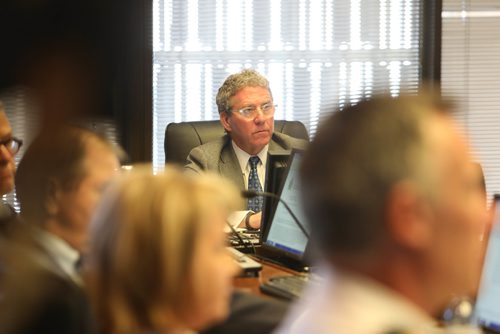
[247,221]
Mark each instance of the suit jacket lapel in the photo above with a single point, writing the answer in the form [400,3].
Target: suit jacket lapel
[229,165]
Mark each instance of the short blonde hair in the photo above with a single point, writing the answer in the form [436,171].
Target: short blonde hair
[142,242]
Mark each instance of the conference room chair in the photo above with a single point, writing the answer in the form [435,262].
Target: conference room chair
[181,138]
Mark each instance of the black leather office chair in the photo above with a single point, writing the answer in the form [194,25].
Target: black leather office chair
[181,138]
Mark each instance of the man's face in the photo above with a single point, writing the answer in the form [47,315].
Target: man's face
[459,212]
[77,205]
[249,134]
[7,164]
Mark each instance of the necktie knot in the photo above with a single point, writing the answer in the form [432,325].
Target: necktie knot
[253,161]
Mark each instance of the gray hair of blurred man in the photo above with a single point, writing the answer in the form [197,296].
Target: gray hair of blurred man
[357,155]
[236,82]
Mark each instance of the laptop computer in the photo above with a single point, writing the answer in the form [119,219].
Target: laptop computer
[283,239]
[487,309]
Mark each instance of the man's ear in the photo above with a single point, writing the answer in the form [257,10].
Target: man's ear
[52,197]
[409,216]
[224,120]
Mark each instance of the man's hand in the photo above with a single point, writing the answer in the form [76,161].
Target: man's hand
[254,221]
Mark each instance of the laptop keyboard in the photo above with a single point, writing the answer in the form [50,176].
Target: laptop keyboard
[246,242]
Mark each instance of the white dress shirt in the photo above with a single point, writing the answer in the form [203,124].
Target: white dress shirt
[348,303]
[243,158]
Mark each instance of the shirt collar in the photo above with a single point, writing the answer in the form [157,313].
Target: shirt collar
[61,252]
[244,156]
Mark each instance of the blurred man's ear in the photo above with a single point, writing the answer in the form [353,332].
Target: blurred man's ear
[409,216]
[52,198]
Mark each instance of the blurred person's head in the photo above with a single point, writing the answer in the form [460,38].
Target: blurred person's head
[60,180]
[9,146]
[391,192]
[246,110]
[158,258]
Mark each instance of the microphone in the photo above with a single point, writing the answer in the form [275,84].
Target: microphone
[251,194]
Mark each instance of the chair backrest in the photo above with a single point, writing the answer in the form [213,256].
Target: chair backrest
[181,138]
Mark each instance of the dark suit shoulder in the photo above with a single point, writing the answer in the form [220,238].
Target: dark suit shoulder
[251,314]
[8,219]
[38,300]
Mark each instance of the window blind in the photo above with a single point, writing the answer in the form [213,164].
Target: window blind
[24,121]
[471,76]
[317,55]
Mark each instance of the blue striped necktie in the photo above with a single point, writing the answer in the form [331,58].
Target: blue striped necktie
[255,203]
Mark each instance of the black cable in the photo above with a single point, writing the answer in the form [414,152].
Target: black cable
[245,244]
[251,193]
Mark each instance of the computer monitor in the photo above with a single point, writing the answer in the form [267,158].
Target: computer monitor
[487,310]
[277,162]
[283,240]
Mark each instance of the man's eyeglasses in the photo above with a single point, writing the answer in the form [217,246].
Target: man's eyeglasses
[250,111]
[12,144]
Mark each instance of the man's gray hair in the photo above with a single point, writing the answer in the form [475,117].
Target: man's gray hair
[236,82]
[358,155]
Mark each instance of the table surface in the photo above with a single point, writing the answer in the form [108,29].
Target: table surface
[269,270]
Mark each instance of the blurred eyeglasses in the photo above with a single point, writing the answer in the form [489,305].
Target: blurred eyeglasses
[13,144]
[251,111]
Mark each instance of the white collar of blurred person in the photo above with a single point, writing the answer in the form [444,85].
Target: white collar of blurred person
[347,302]
[63,257]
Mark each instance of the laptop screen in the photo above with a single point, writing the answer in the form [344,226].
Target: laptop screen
[283,234]
[487,311]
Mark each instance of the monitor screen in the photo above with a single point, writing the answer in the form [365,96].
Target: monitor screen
[487,311]
[283,233]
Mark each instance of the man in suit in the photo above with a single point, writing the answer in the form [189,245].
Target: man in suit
[396,209]
[9,146]
[59,183]
[246,111]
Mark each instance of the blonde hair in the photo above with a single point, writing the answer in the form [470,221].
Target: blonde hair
[142,242]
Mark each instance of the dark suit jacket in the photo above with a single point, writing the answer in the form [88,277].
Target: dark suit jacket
[37,297]
[219,156]
[251,315]
[8,219]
